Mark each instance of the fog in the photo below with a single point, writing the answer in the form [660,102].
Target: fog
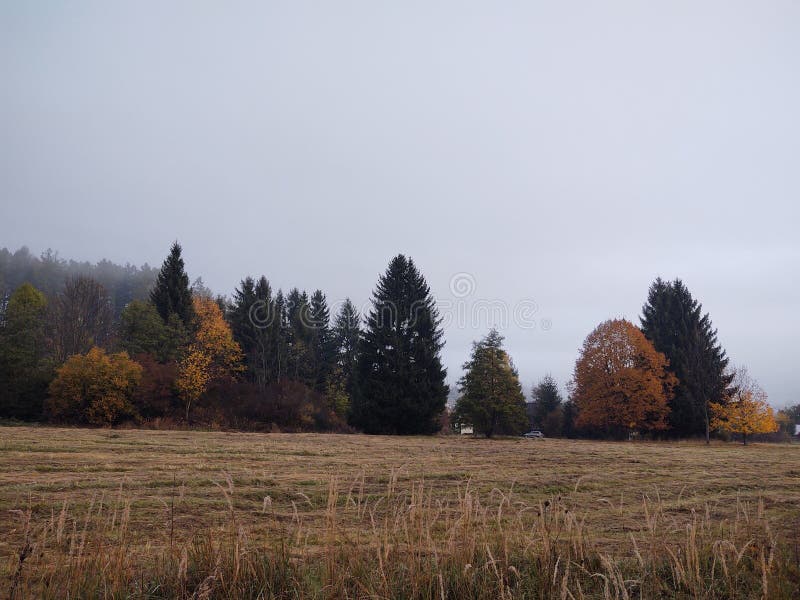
[549,159]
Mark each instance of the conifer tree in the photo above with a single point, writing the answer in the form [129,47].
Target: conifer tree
[299,337]
[251,314]
[172,293]
[346,333]
[547,411]
[400,386]
[491,398]
[322,349]
[674,322]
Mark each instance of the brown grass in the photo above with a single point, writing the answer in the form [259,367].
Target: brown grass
[164,514]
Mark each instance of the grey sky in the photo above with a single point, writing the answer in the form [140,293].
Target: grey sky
[565,152]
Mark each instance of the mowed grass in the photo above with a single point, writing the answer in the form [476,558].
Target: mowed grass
[174,487]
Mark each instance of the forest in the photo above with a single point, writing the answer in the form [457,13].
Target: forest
[109,345]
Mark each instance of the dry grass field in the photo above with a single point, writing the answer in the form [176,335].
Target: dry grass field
[121,513]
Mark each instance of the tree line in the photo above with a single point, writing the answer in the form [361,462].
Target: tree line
[148,346]
[668,377]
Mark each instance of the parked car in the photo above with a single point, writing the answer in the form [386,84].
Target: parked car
[533,434]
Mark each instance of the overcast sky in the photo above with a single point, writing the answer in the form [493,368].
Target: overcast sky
[558,155]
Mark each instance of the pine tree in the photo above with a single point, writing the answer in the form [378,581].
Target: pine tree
[299,337]
[322,347]
[491,398]
[171,293]
[346,333]
[400,385]
[674,322]
[547,411]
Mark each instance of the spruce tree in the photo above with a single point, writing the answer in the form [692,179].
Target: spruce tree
[171,293]
[299,335]
[346,333]
[251,315]
[674,322]
[322,347]
[400,385]
[547,411]
[491,398]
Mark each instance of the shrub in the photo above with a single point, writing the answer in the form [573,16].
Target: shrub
[94,388]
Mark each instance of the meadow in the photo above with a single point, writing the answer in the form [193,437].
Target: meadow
[130,513]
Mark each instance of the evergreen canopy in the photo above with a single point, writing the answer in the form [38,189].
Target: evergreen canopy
[491,397]
[674,322]
[171,293]
[400,385]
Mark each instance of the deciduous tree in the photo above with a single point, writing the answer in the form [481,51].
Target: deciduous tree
[212,354]
[621,383]
[142,331]
[746,411]
[80,318]
[23,350]
[94,388]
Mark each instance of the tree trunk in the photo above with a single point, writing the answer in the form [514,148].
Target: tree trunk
[744,439]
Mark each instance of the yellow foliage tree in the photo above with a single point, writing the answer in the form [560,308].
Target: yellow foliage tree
[747,411]
[212,354]
[94,387]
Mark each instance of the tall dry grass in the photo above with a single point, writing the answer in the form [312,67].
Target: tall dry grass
[408,541]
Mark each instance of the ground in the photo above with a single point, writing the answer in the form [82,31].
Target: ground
[181,482]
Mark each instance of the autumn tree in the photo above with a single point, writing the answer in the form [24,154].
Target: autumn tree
[23,354]
[213,354]
[80,318]
[676,325]
[621,383]
[94,388]
[746,411]
[491,398]
[171,293]
[400,381]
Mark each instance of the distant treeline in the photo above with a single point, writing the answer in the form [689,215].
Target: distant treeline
[106,344]
[48,273]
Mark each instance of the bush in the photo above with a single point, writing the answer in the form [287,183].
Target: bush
[94,388]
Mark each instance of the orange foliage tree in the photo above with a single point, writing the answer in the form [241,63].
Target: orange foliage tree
[212,354]
[746,411]
[95,388]
[621,383]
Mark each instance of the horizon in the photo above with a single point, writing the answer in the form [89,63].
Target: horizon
[460,304]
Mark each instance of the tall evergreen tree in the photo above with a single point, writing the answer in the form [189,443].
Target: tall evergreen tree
[251,314]
[491,398]
[299,334]
[346,333]
[323,352]
[674,322]
[172,293]
[400,378]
